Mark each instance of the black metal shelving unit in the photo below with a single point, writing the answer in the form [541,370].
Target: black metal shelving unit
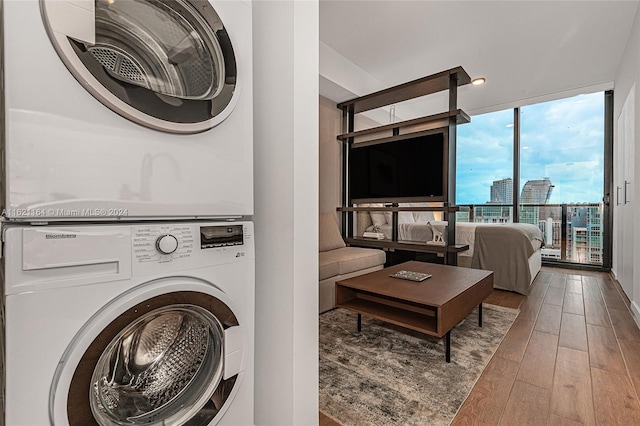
[444,122]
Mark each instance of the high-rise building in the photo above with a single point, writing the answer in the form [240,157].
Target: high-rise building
[502,191]
[584,240]
[536,191]
[492,214]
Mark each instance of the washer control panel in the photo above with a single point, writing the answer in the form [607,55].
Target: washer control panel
[162,243]
[169,248]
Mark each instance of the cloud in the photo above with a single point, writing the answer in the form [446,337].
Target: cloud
[562,140]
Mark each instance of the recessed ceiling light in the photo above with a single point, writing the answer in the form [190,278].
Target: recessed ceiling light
[478,81]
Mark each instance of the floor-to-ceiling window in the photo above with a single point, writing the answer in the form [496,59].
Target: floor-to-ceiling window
[558,171]
[484,167]
[562,175]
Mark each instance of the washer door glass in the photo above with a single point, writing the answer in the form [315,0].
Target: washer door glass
[162,364]
[156,62]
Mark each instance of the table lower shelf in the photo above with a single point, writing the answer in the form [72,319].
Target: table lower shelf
[416,317]
[424,320]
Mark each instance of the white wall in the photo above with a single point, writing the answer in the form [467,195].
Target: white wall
[331,154]
[628,75]
[285,37]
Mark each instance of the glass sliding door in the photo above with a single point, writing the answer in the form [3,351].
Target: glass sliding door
[562,176]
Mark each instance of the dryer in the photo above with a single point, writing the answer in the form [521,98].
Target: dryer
[126,109]
[141,324]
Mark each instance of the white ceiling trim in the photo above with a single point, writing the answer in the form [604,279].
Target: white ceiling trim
[601,87]
[345,74]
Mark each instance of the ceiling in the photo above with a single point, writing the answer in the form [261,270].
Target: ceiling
[529,51]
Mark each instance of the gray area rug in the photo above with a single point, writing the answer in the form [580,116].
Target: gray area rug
[387,375]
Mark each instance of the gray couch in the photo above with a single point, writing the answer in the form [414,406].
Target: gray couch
[337,261]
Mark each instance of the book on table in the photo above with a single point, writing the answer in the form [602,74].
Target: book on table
[411,275]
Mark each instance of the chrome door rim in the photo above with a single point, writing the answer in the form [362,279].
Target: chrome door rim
[71,385]
[146,388]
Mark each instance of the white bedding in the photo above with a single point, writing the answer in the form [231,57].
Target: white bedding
[419,232]
[501,248]
[511,251]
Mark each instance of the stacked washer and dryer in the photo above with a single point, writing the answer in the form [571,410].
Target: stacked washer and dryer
[127,258]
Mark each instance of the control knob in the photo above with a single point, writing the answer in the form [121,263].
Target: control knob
[166,244]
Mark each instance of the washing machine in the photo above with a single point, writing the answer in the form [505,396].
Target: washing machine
[139,324]
[127,109]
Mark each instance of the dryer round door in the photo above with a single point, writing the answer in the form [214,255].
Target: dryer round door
[151,358]
[165,64]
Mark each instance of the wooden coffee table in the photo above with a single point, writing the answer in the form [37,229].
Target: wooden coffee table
[433,306]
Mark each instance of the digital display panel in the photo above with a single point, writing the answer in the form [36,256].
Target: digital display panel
[221,236]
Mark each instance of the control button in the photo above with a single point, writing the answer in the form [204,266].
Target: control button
[166,244]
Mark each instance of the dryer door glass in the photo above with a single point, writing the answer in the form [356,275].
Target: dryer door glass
[164,363]
[152,61]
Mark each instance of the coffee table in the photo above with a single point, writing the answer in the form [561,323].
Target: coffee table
[433,306]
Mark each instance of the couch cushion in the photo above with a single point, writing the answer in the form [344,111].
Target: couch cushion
[329,237]
[351,259]
[327,265]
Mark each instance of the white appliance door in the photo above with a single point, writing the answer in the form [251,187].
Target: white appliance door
[173,358]
[168,65]
[173,68]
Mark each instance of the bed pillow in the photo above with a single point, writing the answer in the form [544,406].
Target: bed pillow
[424,217]
[329,237]
[377,218]
[403,217]
[363,220]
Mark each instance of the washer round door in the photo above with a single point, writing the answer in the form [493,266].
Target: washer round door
[158,361]
[165,64]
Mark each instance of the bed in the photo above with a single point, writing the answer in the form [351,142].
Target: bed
[512,251]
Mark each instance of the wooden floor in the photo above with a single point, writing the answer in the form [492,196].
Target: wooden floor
[572,357]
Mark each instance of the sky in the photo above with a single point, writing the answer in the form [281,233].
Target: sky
[562,140]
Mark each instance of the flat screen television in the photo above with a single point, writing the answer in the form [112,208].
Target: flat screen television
[404,170]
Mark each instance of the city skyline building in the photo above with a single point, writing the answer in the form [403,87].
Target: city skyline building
[537,191]
[502,191]
[570,231]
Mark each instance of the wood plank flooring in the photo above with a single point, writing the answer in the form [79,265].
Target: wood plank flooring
[572,357]
[581,365]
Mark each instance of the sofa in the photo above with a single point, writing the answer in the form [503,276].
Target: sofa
[338,262]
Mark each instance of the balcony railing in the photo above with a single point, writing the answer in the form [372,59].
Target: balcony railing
[572,232]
